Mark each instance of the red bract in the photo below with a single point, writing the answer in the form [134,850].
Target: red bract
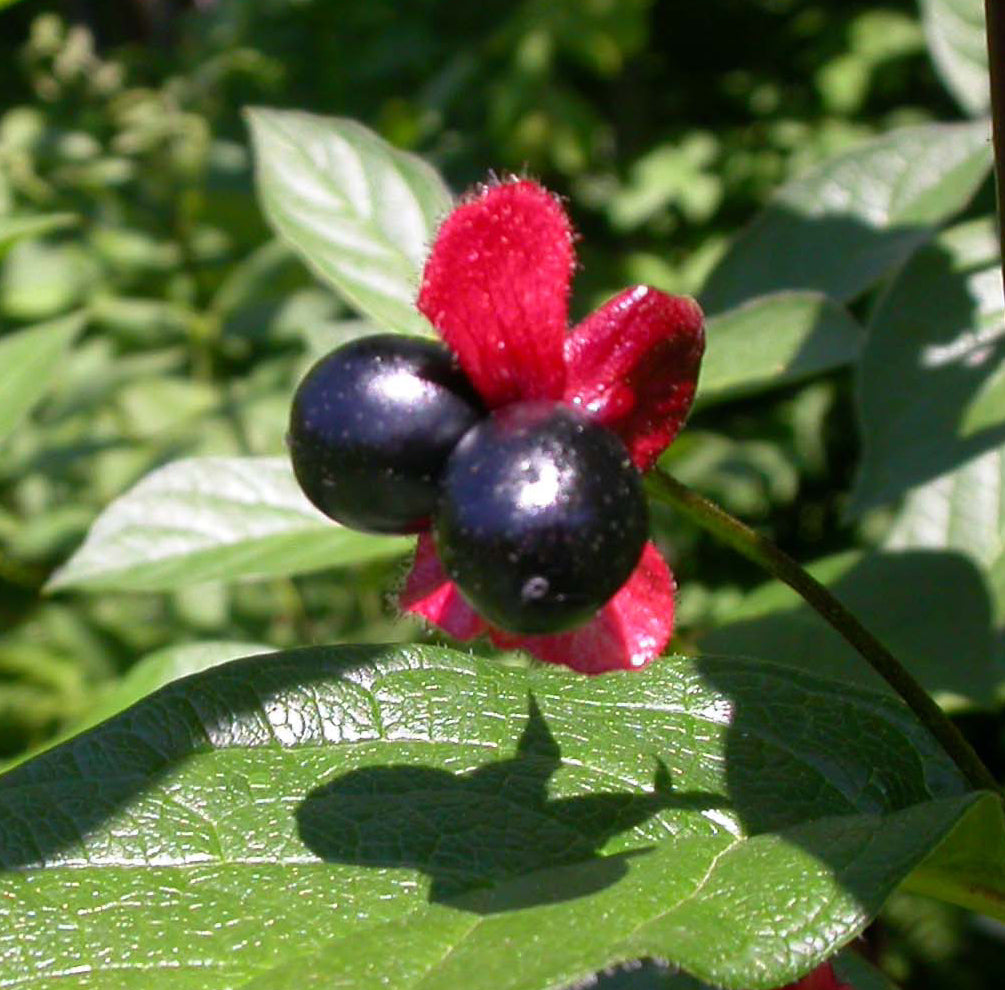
[496,287]
[822,978]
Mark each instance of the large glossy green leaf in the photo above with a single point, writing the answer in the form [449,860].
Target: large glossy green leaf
[773,341]
[931,607]
[416,817]
[958,43]
[213,518]
[935,336]
[845,224]
[28,360]
[849,967]
[361,213]
[13,228]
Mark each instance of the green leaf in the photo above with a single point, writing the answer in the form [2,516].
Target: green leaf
[986,409]
[963,510]
[680,175]
[156,669]
[849,221]
[931,608]
[12,229]
[213,518]
[969,865]
[647,975]
[935,336]
[774,341]
[150,673]
[359,212]
[851,968]
[270,294]
[749,477]
[141,321]
[957,41]
[28,360]
[431,819]
[40,280]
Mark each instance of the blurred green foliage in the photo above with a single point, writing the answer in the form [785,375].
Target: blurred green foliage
[666,125]
[659,121]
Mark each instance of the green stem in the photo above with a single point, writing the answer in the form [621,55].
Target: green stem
[763,552]
[995,18]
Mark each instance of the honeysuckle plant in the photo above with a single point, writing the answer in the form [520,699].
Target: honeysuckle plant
[420,816]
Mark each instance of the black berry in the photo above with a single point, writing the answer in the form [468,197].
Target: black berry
[541,517]
[372,426]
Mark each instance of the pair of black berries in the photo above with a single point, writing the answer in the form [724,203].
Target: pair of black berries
[538,514]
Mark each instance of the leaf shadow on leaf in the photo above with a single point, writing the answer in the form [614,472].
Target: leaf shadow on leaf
[476,829]
[932,608]
[846,776]
[933,345]
[782,249]
[842,757]
[748,352]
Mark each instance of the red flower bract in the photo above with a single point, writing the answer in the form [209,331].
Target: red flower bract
[496,287]
[821,978]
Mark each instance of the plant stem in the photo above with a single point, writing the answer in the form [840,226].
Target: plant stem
[763,552]
[995,18]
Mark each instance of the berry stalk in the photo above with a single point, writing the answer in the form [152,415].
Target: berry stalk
[764,553]
[995,19]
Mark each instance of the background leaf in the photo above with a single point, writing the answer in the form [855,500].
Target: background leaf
[152,672]
[774,341]
[854,970]
[958,44]
[430,817]
[987,407]
[12,229]
[42,279]
[214,518]
[359,212]
[164,666]
[843,225]
[28,360]
[904,598]
[935,335]
[963,510]
[971,862]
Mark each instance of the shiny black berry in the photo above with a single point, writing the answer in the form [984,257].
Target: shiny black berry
[541,518]
[372,426]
